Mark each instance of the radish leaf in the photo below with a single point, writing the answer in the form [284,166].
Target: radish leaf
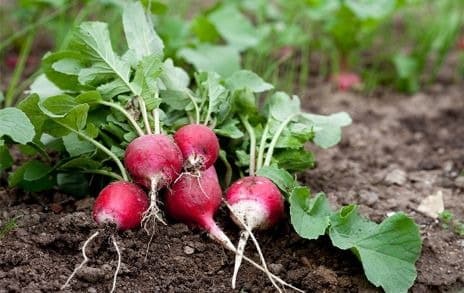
[310,216]
[388,251]
[15,124]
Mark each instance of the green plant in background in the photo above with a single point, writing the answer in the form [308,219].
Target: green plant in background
[25,22]
[432,30]
[451,223]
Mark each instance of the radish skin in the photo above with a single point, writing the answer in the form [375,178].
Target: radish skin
[153,161]
[121,204]
[199,146]
[255,203]
[194,199]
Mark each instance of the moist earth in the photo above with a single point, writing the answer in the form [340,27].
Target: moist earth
[399,150]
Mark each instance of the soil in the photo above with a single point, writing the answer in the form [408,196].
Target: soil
[416,140]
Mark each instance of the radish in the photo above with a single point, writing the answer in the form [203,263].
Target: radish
[194,199]
[347,80]
[199,146]
[255,203]
[153,161]
[120,204]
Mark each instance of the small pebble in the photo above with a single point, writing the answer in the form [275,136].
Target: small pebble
[92,290]
[276,268]
[448,166]
[397,177]
[459,181]
[368,197]
[188,250]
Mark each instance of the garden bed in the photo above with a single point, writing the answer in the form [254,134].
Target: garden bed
[414,141]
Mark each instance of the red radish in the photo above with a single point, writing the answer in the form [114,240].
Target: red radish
[255,203]
[347,80]
[199,146]
[153,161]
[194,199]
[121,204]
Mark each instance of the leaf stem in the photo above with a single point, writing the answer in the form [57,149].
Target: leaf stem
[105,173]
[18,72]
[262,147]
[99,146]
[156,119]
[129,117]
[195,105]
[251,133]
[228,175]
[275,138]
[143,109]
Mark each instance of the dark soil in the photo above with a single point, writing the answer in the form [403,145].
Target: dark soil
[422,135]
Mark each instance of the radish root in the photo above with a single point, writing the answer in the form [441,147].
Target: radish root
[86,259]
[153,211]
[217,234]
[119,263]
[241,248]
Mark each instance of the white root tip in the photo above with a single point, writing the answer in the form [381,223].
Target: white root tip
[119,264]
[86,259]
[239,256]
[153,214]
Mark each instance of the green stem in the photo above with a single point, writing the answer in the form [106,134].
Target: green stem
[105,173]
[197,110]
[88,8]
[125,113]
[262,146]
[156,119]
[143,109]
[18,72]
[251,133]
[228,175]
[275,138]
[24,85]
[208,115]
[100,147]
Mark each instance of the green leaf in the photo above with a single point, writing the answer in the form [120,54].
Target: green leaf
[30,106]
[36,170]
[388,251]
[243,79]
[75,119]
[6,161]
[281,106]
[2,96]
[37,173]
[211,58]
[234,27]
[91,98]
[280,177]
[15,124]
[140,34]
[172,77]
[43,87]
[204,30]
[80,163]
[75,146]
[145,80]
[327,135]
[310,216]
[62,69]
[365,9]
[294,160]
[244,102]
[75,184]
[229,129]
[57,106]
[178,100]
[93,41]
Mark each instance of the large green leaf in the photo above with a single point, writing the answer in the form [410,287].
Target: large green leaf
[388,251]
[212,58]
[234,27]
[243,79]
[15,124]
[140,34]
[280,177]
